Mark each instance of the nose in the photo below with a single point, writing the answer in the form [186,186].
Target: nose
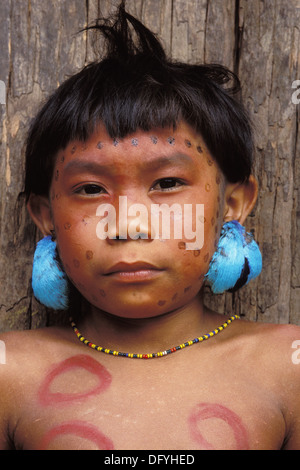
[127,222]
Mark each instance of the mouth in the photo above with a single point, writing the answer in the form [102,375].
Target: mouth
[133,272]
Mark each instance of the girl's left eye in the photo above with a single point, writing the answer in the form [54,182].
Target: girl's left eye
[167,184]
[89,190]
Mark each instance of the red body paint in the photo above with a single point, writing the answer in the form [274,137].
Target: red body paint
[83,361]
[79,429]
[205,411]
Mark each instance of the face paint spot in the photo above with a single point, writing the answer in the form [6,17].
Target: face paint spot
[218,179]
[116,142]
[206,257]
[174,297]
[81,286]
[186,289]
[134,142]
[197,253]
[76,263]
[56,175]
[199,149]
[67,226]
[207,187]
[89,255]
[188,143]
[99,145]
[62,158]
[171,140]
[161,303]
[209,161]
[154,139]
[73,150]
[58,195]
[102,293]
[181,245]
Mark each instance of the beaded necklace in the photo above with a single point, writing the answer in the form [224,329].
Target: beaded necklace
[153,355]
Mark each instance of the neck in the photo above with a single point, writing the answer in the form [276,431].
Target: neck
[148,334]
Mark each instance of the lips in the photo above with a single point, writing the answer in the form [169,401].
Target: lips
[131,267]
[133,272]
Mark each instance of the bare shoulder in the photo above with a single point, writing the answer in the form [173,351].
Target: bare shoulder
[272,353]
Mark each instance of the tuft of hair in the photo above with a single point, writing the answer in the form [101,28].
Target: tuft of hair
[135,86]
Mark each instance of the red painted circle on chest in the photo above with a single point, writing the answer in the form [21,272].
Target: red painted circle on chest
[82,361]
[204,411]
[79,429]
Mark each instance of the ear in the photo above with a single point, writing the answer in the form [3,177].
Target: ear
[40,212]
[240,198]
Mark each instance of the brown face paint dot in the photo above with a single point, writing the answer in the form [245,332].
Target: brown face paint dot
[197,253]
[76,263]
[171,140]
[102,293]
[188,143]
[62,158]
[209,161]
[186,289]
[181,245]
[67,226]
[174,296]
[207,187]
[206,257]
[56,175]
[89,254]
[58,195]
[81,286]
[161,303]
[99,145]
[218,179]
[199,149]
[73,149]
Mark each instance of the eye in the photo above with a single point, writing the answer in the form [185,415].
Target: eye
[167,184]
[90,190]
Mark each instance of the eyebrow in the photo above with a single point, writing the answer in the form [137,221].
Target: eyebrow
[179,159]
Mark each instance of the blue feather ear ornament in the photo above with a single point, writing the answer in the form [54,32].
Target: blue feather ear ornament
[49,281]
[236,261]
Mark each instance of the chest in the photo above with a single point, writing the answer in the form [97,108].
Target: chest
[91,405]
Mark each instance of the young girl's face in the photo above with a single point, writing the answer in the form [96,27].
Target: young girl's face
[112,268]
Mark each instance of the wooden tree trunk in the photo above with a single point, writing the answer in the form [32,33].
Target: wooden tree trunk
[257,39]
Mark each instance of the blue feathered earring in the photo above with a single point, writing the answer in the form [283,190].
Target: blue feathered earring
[49,281]
[236,261]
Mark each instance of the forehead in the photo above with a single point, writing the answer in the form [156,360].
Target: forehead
[150,150]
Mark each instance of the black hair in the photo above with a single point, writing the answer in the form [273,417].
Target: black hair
[135,86]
